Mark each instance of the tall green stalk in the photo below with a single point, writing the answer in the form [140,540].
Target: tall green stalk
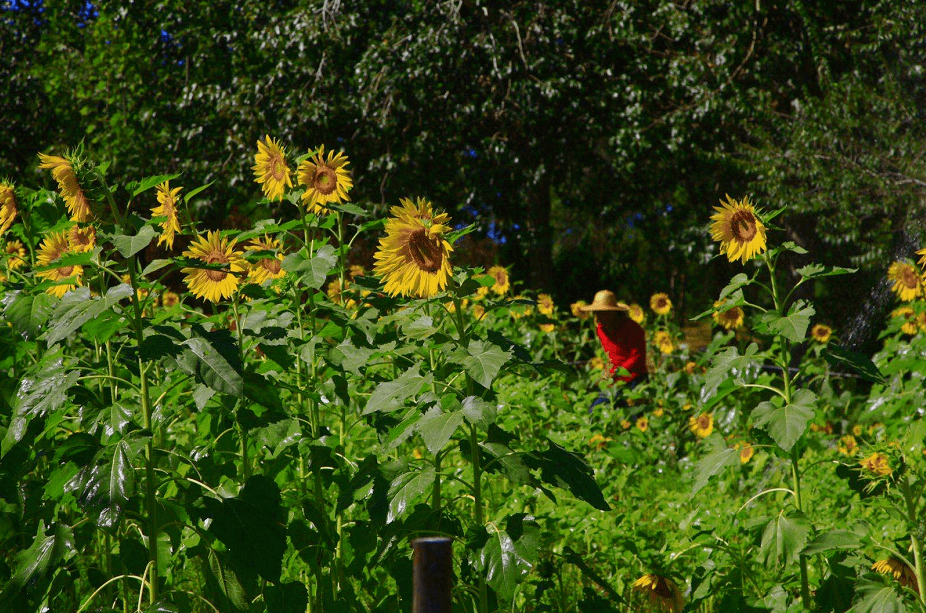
[915,543]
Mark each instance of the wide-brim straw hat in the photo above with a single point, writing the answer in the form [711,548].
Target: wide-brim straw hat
[605,300]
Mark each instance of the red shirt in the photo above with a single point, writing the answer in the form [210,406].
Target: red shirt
[626,347]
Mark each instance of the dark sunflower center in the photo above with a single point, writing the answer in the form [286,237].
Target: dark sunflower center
[216,258]
[499,277]
[271,264]
[65,271]
[326,179]
[743,225]
[276,168]
[425,252]
[704,422]
[909,277]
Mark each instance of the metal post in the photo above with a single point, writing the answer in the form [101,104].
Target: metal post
[433,568]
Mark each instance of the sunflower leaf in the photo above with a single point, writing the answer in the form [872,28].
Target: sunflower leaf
[130,245]
[877,596]
[784,538]
[437,428]
[77,308]
[193,192]
[149,182]
[815,271]
[713,463]
[28,313]
[861,364]
[406,489]
[792,326]
[314,271]
[482,361]
[786,424]
[391,395]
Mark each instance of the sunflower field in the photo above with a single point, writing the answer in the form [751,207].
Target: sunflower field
[251,420]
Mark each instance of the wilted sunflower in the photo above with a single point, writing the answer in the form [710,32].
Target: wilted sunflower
[576,309]
[214,284]
[63,172]
[661,592]
[270,168]
[636,313]
[878,464]
[545,304]
[15,254]
[908,285]
[82,238]
[268,267]
[821,333]
[738,229]
[325,181]
[702,425]
[53,248]
[7,207]
[909,318]
[663,340]
[414,257]
[660,303]
[502,282]
[902,573]
[167,207]
[729,319]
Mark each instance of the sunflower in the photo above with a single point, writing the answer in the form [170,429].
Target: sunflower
[548,328]
[738,229]
[15,252]
[502,282]
[482,292]
[63,172]
[746,452]
[576,308]
[325,181]
[902,573]
[7,207]
[520,310]
[53,248]
[729,319]
[847,445]
[821,333]
[908,285]
[270,168]
[636,313]
[414,257]
[478,311]
[690,368]
[267,267]
[642,424]
[663,340]
[356,270]
[596,363]
[661,592]
[167,201]
[877,464]
[599,441]
[545,304]
[82,238]
[909,317]
[170,299]
[660,303]
[208,283]
[702,425]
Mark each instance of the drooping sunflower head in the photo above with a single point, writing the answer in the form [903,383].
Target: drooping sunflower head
[729,319]
[908,315]
[660,303]
[877,464]
[7,206]
[54,247]
[62,169]
[326,180]
[167,208]
[663,340]
[701,425]
[821,333]
[545,304]
[661,592]
[15,254]
[82,238]
[414,257]
[577,311]
[901,573]
[270,168]
[738,229]
[636,313]
[210,283]
[502,282]
[908,284]
[270,267]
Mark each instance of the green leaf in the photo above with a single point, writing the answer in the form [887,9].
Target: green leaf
[149,182]
[834,539]
[313,271]
[224,583]
[104,488]
[815,271]
[482,360]
[130,245]
[714,463]
[77,308]
[856,362]
[793,247]
[406,489]
[290,597]
[568,470]
[786,424]
[437,428]
[391,395]
[251,525]
[195,192]
[27,312]
[738,281]
[877,596]
[784,538]
[792,326]
[509,554]
[44,552]
[721,366]
[216,360]
[155,266]
[479,412]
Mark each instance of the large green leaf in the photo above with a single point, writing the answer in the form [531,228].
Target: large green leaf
[130,245]
[877,596]
[77,308]
[104,487]
[251,527]
[786,424]
[832,540]
[568,470]
[27,312]
[713,463]
[436,428]
[505,556]
[406,489]
[479,412]
[792,326]
[725,362]
[313,272]
[815,271]
[856,362]
[391,395]
[213,356]
[45,551]
[482,360]
[784,538]
[149,182]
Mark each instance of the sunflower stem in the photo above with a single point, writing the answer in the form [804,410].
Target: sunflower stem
[242,429]
[915,543]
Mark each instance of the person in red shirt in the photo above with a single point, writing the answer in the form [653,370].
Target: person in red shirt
[622,339]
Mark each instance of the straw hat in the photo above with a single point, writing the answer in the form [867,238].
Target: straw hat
[605,300]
